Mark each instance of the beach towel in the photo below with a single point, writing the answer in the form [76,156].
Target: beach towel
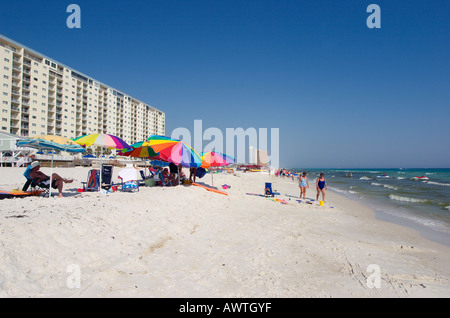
[129,174]
[129,185]
[93,183]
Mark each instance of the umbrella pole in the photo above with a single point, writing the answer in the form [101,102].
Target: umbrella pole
[145,168]
[101,168]
[51,178]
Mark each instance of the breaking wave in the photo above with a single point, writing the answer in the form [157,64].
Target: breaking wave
[406,199]
[438,183]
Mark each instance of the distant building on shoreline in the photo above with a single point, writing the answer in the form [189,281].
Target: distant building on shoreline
[258,157]
[40,96]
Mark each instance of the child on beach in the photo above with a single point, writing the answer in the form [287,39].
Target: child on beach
[303,184]
[321,185]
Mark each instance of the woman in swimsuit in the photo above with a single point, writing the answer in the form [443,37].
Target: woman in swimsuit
[303,183]
[321,185]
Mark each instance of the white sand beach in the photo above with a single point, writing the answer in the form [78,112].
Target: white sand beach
[185,241]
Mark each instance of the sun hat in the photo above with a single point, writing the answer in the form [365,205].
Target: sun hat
[34,164]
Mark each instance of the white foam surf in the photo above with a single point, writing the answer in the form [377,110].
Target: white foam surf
[439,183]
[406,199]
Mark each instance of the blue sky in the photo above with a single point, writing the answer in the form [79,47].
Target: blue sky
[342,95]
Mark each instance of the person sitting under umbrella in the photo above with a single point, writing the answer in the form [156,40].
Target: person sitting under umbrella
[42,179]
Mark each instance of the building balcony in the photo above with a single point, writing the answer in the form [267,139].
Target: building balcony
[16,83]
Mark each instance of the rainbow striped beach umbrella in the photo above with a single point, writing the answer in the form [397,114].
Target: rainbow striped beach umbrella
[216,159]
[175,151]
[102,140]
[140,149]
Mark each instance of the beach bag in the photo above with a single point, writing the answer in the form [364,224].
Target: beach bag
[150,183]
[200,172]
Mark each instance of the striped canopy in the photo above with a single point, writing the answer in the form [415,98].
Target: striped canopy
[175,151]
[102,140]
[140,149]
[216,159]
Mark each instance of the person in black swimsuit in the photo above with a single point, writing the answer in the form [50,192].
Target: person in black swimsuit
[321,185]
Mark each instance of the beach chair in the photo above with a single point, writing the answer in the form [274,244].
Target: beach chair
[36,188]
[152,172]
[107,172]
[268,190]
[160,180]
[93,181]
[130,179]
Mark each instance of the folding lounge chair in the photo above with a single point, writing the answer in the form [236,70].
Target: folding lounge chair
[35,187]
[130,179]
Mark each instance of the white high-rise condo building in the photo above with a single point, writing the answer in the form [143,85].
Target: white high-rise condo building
[40,96]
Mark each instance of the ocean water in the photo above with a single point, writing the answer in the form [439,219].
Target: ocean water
[398,196]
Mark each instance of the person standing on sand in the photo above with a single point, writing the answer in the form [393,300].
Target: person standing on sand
[173,168]
[303,184]
[321,185]
[192,173]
